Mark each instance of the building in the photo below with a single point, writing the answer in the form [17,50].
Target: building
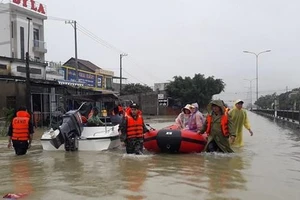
[54,71]
[18,20]
[160,86]
[21,31]
[88,73]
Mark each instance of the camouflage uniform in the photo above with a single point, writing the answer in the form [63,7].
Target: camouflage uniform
[133,145]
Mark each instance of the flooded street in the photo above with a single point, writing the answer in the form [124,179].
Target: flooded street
[266,168]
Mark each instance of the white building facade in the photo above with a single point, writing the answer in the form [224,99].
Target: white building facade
[18,20]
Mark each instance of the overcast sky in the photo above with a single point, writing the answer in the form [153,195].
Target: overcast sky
[167,38]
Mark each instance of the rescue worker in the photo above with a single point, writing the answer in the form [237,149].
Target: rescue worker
[227,109]
[132,130]
[240,119]
[20,132]
[94,120]
[219,128]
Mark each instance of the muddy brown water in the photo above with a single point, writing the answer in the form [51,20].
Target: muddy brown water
[267,168]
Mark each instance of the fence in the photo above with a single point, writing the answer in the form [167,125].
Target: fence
[289,115]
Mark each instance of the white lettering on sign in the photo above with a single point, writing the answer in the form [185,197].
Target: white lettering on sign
[32,5]
[160,96]
[168,133]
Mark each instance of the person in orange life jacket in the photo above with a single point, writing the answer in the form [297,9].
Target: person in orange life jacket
[20,132]
[227,109]
[132,130]
[219,128]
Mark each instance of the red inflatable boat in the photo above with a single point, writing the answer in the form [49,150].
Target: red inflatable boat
[173,140]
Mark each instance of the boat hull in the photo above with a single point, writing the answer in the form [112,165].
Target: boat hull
[173,140]
[92,139]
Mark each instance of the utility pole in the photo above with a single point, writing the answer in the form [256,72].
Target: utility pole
[28,86]
[121,56]
[74,24]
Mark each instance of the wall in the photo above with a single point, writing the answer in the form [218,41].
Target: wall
[11,88]
[20,20]
[149,104]
[35,67]
[5,42]
[7,70]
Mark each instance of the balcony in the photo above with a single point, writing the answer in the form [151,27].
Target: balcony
[39,46]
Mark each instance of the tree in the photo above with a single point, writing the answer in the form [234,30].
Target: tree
[265,102]
[197,89]
[136,88]
[9,115]
[286,100]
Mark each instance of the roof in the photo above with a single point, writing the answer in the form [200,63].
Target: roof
[86,63]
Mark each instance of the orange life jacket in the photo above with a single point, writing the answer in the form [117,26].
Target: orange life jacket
[224,124]
[134,127]
[20,125]
[226,110]
[120,108]
[90,114]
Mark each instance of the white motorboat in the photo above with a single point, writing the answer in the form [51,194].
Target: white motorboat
[91,139]
[72,135]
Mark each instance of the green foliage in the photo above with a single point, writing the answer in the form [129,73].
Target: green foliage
[266,102]
[286,100]
[197,89]
[135,88]
[9,114]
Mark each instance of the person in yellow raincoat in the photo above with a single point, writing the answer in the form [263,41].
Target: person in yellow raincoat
[240,119]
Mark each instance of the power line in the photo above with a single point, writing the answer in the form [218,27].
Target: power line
[103,42]
[57,18]
[93,38]
[108,45]
[144,68]
[134,77]
[97,39]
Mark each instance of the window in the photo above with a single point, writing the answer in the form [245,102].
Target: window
[11,101]
[12,29]
[36,37]
[22,45]
[108,83]
[2,66]
[32,70]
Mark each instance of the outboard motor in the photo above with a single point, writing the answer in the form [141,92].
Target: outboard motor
[169,140]
[69,131]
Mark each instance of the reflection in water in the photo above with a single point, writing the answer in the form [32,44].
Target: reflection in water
[21,172]
[267,167]
[133,169]
[224,173]
[83,174]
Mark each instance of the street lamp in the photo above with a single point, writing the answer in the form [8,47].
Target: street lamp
[256,55]
[250,81]
[121,56]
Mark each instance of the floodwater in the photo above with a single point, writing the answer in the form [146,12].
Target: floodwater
[267,168]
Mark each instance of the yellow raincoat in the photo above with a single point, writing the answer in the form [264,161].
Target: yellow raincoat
[240,119]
